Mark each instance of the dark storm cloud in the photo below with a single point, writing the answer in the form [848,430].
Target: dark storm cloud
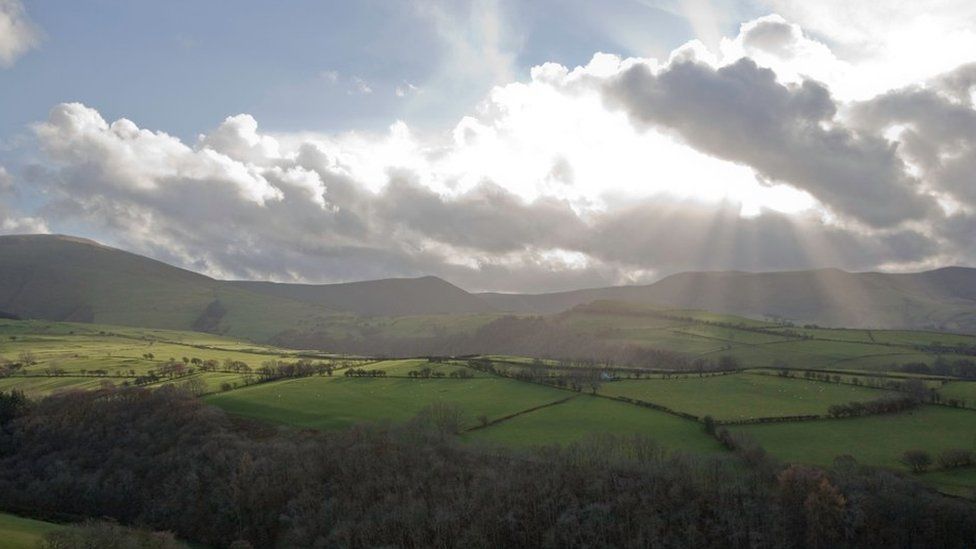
[786,133]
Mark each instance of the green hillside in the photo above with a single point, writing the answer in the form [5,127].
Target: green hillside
[69,279]
[943,299]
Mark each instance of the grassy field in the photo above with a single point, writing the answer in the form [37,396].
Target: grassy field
[79,350]
[873,440]
[957,482]
[584,415]
[323,402]
[740,396]
[330,403]
[960,390]
[22,533]
[39,386]
[756,343]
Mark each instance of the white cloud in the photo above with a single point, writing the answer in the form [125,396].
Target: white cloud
[404,89]
[892,44]
[616,171]
[134,160]
[17,34]
[361,86]
[6,180]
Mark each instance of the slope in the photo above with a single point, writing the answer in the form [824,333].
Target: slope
[943,299]
[390,297]
[63,278]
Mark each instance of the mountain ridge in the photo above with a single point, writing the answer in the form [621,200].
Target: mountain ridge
[61,277]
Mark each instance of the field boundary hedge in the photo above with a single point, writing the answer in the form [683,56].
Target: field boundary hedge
[519,413]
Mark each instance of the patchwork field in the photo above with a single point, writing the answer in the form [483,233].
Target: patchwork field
[756,343]
[83,356]
[86,356]
[964,391]
[330,403]
[740,396]
[873,440]
[585,415]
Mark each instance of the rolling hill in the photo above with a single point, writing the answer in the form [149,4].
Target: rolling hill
[426,295]
[943,299]
[64,278]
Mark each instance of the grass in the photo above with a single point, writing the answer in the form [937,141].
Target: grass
[584,415]
[740,396]
[22,533]
[702,334]
[960,390]
[873,440]
[40,386]
[78,349]
[956,482]
[332,403]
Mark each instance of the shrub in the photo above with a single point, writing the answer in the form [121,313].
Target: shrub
[956,457]
[918,460]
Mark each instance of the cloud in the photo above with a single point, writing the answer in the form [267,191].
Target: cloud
[618,171]
[787,133]
[936,128]
[6,181]
[893,44]
[320,223]
[136,161]
[11,222]
[405,89]
[17,34]
[361,86]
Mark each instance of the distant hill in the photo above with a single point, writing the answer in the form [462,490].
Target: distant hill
[943,299]
[392,296]
[65,278]
[57,277]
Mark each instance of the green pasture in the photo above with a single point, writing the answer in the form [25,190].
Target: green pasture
[41,386]
[584,414]
[22,533]
[740,396]
[960,390]
[873,440]
[331,403]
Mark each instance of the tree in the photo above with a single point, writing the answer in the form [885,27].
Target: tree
[918,460]
[956,457]
[446,418]
[107,534]
[709,422]
[12,404]
[27,358]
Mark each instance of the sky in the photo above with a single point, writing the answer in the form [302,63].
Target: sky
[502,145]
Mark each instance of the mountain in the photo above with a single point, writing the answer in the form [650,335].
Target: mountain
[64,278]
[943,299]
[426,295]
[58,277]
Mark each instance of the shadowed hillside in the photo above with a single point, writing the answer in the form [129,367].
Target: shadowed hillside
[393,296]
[63,278]
[71,279]
[944,299]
